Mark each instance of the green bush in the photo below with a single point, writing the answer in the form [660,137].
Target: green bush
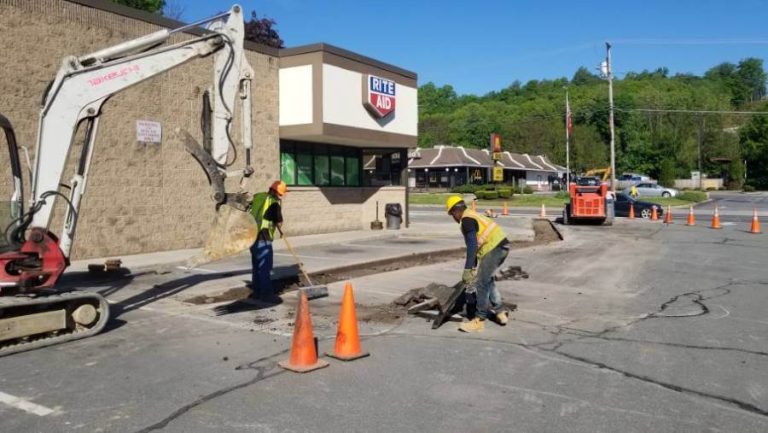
[694,196]
[749,188]
[505,192]
[562,194]
[711,189]
[466,189]
[490,195]
[527,190]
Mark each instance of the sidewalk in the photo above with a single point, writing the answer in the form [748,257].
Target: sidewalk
[179,257]
[318,253]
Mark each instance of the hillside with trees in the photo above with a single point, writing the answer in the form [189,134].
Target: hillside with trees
[654,133]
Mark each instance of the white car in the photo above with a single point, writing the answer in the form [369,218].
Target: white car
[645,189]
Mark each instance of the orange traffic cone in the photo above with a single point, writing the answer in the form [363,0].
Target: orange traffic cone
[543,213]
[631,211]
[668,215]
[755,224]
[474,207]
[691,218]
[347,338]
[654,214]
[303,351]
[715,220]
[505,210]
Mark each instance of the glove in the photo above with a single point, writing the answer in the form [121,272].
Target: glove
[468,276]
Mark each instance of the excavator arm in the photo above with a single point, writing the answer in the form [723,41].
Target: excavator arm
[32,258]
[75,98]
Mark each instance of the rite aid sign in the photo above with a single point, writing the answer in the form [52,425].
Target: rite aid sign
[378,95]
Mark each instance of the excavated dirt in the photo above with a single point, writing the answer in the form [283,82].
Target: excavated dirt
[382,313]
[236,294]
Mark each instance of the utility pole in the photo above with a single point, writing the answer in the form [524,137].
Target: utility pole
[568,126]
[701,138]
[609,73]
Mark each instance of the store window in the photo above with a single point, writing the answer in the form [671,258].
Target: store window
[316,164]
[383,167]
[288,168]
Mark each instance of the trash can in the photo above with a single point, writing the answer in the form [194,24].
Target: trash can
[393,213]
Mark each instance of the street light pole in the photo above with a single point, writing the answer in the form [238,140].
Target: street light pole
[609,73]
[701,138]
[567,141]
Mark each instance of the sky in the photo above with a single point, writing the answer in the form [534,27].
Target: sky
[484,45]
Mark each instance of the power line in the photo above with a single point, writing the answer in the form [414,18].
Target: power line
[664,110]
[691,41]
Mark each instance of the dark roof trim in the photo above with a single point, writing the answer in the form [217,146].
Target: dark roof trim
[162,21]
[305,49]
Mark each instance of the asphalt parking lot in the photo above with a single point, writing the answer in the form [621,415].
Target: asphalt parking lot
[636,327]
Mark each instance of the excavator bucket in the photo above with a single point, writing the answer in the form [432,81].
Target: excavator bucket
[233,229]
[232,232]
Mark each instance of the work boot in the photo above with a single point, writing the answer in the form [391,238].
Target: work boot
[475,325]
[502,317]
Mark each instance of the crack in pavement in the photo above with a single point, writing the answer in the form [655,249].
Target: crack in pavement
[677,388]
[750,408]
[558,331]
[262,374]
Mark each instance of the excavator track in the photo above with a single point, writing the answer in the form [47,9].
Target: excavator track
[28,323]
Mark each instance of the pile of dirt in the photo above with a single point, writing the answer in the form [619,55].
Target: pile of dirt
[236,294]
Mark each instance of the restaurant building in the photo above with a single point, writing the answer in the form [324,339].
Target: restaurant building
[444,167]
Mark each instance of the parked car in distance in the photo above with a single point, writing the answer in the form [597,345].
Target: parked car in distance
[645,189]
[633,177]
[589,181]
[643,209]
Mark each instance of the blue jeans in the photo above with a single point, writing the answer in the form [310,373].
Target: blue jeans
[488,296]
[261,262]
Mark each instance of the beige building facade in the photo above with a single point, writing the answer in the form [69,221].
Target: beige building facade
[146,197]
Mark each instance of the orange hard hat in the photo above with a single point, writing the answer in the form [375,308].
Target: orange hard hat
[279,187]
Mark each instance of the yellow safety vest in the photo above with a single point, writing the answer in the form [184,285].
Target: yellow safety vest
[258,213]
[489,234]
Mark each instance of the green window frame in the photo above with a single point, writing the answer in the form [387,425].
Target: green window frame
[322,170]
[352,170]
[304,162]
[317,164]
[288,168]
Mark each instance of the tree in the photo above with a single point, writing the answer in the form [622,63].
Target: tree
[154,6]
[262,31]
[667,173]
[754,142]
[583,76]
[433,99]
[751,77]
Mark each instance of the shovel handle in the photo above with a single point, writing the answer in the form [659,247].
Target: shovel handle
[295,256]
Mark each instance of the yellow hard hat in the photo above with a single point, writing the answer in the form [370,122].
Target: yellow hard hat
[452,201]
[279,187]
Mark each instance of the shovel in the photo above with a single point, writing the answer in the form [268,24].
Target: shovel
[312,291]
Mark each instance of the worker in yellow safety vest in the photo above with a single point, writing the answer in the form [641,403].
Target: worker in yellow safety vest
[266,210]
[487,248]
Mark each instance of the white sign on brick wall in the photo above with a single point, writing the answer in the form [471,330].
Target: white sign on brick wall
[148,131]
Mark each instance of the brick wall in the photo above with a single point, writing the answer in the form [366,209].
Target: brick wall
[140,198]
[309,210]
